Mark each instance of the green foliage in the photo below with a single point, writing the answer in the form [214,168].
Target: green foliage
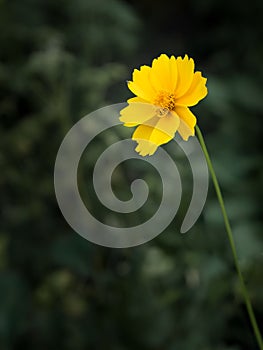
[59,60]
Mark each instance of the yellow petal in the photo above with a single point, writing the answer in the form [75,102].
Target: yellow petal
[164,73]
[165,125]
[130,100]
[185,75]
[137,113]
[145,148]
[130,125]
[141,84]
[196,92]
[174,73]
[187,122]
[136,99]
[147,144]
[155,131]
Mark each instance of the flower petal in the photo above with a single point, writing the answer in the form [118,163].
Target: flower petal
[136,99]
[145,148]
[185,68]
[130,125]
[187,122]
[174,73]
[147,142]
[196,92]
[130,100]
[165,125]
[164,73]
[141,84]
[155,131]
[137,113]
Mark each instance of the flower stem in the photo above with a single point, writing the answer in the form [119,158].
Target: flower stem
[231,241]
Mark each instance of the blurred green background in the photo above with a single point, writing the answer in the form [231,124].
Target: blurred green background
[61,59]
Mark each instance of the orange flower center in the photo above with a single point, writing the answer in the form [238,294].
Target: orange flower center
[166,102]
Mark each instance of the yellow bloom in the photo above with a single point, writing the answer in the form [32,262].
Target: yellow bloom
[163,92]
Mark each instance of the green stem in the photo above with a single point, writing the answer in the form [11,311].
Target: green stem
[231,240]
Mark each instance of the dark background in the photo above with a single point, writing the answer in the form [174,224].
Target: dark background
[61,59]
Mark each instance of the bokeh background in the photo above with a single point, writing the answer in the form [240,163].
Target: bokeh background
[59,60]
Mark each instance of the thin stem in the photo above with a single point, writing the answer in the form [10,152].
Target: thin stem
[231,240]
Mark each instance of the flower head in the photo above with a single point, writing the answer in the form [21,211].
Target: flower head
[163,92]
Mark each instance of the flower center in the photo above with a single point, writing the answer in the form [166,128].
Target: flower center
[166,102]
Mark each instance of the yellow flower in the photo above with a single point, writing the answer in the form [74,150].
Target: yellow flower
[163,92]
